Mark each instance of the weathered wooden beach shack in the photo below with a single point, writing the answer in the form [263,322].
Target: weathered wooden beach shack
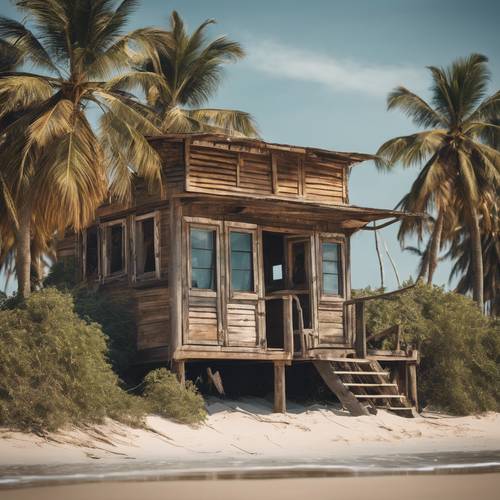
[245,255]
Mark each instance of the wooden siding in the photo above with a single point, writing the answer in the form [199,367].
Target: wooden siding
[242,324]
[331,323]
[153,315]
[279,175]
[202,320]
[324,183]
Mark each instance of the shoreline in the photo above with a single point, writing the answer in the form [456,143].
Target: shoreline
[244,439]
[456,487]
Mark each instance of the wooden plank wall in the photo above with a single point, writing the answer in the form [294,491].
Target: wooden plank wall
[202,320]
[331,322]
[153,317]
[223,171]
[242,323]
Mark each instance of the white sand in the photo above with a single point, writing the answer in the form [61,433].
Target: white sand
[248,429]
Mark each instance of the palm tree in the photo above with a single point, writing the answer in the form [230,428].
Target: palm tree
[460,251]
[458,171]
[191,69]
[54,170]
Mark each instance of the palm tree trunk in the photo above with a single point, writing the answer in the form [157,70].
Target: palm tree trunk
[380,262]
[435,247]
[477,259]
[23,253]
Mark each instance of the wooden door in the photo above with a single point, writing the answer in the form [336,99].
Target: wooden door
[331,289]
[203,283]
[243,318]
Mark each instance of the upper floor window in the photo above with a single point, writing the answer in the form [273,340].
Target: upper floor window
[114,244]
[332,268]
[241,261]
[145,245]
[91,251]
[202,258]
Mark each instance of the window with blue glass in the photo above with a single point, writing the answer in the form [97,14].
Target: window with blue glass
[203,258]
[241,261]
[332,268]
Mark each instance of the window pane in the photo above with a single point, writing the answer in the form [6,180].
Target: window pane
[241,241]
[203,258]
[202,238]
[202,278]
[242,280]
[145,251]
[330,251]
[331,283]
[241,261]
[116,251]
[332,268]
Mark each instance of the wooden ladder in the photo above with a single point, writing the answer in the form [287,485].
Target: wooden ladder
[362,386]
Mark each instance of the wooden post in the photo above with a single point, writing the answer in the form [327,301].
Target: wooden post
[360,330]
[279,387]
[179,368]
[412,379]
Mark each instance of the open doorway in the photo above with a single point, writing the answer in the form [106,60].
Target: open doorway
[287,262]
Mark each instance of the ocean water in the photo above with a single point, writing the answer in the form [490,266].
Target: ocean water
[130,470]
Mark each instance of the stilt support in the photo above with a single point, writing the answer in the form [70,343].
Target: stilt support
[179,368]
[279,387]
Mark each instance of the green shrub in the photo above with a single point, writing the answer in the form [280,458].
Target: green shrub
[116,317]
[53,368]
[168,398]
[115,314]
[460,348]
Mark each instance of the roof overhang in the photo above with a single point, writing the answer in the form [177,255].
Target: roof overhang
[343,157]
[349,217]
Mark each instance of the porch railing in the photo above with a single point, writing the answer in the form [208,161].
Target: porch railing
[360,338]
[289,299]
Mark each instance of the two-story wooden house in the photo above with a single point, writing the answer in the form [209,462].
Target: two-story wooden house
[245,255]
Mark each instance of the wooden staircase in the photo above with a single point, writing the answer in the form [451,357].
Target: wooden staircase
[362,386]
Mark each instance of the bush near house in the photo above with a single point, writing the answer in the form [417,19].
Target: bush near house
[460,348]
[167,398]
[54,370]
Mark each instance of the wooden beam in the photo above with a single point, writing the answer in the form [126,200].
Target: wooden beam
[179,368]
[360,340]
[412,382]
[385,295]
[279,387]
[345,396]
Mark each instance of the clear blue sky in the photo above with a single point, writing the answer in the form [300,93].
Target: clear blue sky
[317,74]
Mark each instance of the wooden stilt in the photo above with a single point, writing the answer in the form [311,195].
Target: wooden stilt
[279,387]
[412,379]
[179,368]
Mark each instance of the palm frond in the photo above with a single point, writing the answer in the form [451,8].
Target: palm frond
[229,121]
[26,42]
[411,149]
[415,108]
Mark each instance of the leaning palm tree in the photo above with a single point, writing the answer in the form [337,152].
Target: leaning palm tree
[458,170]
[191,69]
[54,171]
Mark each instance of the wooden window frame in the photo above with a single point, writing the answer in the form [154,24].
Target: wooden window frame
[241,227]
[155,215]
[106,274]
[203,224]
[340,240]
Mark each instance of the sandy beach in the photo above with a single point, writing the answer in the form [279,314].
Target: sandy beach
[248,430]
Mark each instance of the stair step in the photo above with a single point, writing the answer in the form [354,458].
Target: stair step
[395,408]
[351,360]
[378,396]
[344,372]
[354,384]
